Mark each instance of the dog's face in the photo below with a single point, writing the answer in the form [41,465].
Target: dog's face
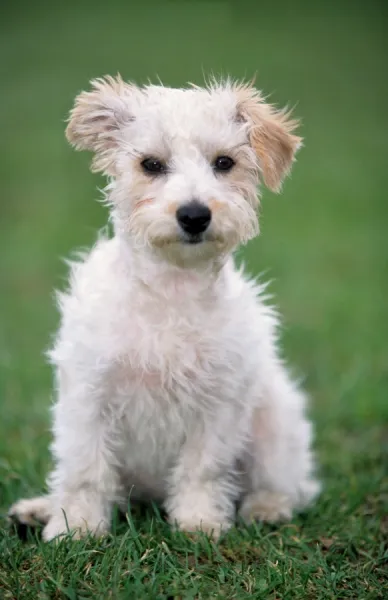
[185,164]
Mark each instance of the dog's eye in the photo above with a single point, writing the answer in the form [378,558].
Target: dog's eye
[153,165]
[223,163]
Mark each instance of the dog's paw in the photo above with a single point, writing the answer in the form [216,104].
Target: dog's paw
[30,512]
[213,530]
[266,506]
[59,527]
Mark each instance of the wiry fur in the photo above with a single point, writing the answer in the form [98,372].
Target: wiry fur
[169,384]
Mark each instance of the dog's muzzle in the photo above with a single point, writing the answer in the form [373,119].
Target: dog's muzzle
[194,218]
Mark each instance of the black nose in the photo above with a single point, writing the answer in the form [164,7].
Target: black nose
[194,218]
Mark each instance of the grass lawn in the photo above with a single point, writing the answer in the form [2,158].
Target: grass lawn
[323,243]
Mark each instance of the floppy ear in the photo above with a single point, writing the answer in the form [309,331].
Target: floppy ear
[97,118]
[270,134]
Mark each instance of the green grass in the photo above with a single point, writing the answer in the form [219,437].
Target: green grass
[324,244]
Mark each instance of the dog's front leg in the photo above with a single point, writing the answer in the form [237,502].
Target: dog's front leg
[84,483]
[203,485]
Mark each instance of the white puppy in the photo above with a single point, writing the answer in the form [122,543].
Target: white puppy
[169,382]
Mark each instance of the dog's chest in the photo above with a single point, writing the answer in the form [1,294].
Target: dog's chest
[170,366]
[164,379]
[165,346]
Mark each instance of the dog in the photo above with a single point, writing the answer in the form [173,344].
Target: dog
[169,383]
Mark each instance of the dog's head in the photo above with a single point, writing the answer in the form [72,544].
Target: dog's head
[185,163]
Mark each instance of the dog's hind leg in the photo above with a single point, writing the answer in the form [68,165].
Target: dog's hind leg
[280,466]
[31,511]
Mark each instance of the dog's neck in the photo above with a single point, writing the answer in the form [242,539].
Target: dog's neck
[166,277]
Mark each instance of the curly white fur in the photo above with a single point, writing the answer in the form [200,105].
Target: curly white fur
[169,383]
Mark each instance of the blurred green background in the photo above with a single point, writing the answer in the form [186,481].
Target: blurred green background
[323,241]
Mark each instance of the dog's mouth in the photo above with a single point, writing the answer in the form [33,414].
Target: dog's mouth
[193,239]
[190,240]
